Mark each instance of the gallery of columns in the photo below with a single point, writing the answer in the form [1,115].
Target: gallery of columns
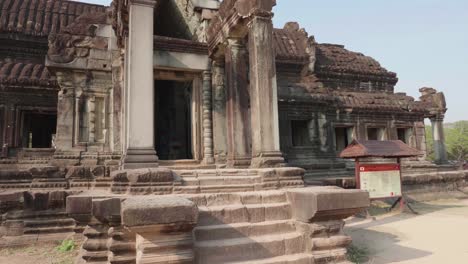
[227,100]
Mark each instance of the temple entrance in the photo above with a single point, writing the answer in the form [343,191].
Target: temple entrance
[173,119]
[38,130]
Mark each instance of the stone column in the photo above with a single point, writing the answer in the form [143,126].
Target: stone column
[207,119]
[439,140]
[237,104]
[67,114]
[140,124]
[219,111]
[263,94]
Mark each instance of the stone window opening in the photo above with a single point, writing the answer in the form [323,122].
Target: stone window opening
[343,137]
[404,134]
[376,133]
[38,129]
[300,133]
[83,120]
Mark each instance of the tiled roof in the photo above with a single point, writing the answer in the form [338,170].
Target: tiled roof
[378,101]
[376,148]
[25,74]
[335,58]
[41,17]
[288,46]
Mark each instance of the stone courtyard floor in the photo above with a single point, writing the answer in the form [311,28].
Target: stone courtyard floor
[439,234]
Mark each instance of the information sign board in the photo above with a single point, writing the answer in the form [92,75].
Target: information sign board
[380,180]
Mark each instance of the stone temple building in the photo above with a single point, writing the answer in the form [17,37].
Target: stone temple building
[180,99]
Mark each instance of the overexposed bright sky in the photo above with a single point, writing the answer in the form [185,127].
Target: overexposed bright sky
[424,41]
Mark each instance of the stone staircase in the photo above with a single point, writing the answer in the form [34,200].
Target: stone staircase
[254,227]
[162,181]
[38,222]
[295,226]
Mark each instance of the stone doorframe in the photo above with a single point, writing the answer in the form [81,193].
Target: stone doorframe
[196,106]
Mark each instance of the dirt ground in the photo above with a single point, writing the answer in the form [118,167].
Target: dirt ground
[41,251]
[439,234]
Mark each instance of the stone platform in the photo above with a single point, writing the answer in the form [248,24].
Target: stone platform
[302,225]
[164,215]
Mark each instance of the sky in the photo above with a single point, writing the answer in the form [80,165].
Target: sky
[424,41]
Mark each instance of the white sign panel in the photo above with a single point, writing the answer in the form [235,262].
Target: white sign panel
[381,181]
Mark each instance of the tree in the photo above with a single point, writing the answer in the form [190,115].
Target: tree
[457,141]
[429,144]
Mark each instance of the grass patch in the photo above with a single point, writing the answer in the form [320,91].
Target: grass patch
[67,245]
[357,254]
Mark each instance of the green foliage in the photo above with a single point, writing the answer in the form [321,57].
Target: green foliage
[357,254]
[66,246]
[429,144]
[456,139]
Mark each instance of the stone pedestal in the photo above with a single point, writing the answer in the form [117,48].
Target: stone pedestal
[140,87]
[438,136]
[237,104]
[263,94]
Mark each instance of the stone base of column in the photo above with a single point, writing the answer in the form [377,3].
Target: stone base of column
[238,162]
[268,160]
[140,158]
[209,161]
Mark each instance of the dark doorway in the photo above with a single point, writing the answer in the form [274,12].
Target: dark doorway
[404,134]
[173,120]
[343,137]
[38,130]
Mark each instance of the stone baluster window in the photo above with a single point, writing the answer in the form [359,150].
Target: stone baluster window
[99,117]
[83,113]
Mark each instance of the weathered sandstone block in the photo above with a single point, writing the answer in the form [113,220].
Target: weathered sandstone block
[326,203]
[141,211]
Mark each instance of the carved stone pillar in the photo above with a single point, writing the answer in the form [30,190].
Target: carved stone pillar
[207,119]
[263,94]
[219,111]
[438,137]
[140,118]
[67,109]
[238,105]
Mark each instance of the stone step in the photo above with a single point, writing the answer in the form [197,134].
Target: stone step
[251,213]
[48,230]
[179,259]
[330,256]
[286,259]
[125,259]
[49,222]
[249,248]
[239,230]
[240,198]
[217,180]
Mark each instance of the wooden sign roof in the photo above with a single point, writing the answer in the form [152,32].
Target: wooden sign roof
[378,149]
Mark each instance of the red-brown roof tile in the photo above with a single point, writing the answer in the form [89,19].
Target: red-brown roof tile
[41,17]
[335,58]
[25,74]
[378,149]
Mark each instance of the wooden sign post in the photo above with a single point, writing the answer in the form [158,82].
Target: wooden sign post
[378,168]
